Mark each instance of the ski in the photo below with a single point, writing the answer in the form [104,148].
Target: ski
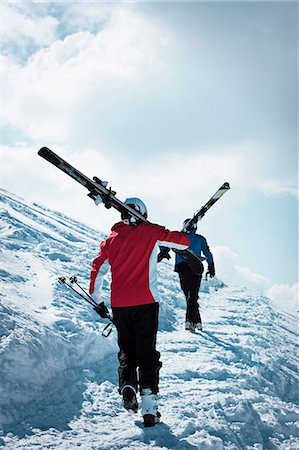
[198,216]
[201,212]
[99,192]
[95,186]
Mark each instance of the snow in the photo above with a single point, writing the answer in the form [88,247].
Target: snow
[232,386]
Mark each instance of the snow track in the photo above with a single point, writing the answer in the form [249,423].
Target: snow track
[232,386]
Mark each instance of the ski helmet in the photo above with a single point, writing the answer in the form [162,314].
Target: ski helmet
[193,227]
[139,206]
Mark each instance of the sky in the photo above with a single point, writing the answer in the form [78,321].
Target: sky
[166,101]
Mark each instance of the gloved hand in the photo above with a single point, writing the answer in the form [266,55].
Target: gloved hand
[102,310]
[164,253]
[211,270]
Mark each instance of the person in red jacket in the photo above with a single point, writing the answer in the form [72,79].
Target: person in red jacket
[131,252]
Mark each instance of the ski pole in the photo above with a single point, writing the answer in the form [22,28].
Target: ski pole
[62,280]
[98,308]
[73,279]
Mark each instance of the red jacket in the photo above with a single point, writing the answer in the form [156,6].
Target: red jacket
[131,253]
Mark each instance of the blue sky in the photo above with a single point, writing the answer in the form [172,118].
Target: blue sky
[166,101]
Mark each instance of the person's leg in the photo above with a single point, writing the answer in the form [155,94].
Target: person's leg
[192,301]
[147,357]
[185,275]
[127,370]
[146,326]
[184,282]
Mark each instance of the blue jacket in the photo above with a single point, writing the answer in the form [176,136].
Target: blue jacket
[198,244]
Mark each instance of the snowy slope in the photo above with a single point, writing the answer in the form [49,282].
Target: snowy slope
[233,386]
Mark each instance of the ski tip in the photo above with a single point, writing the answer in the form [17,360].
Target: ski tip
[42,151]
[50,156]
[225,185]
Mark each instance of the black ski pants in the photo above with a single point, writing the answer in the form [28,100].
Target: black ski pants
[139,363]
[190,284]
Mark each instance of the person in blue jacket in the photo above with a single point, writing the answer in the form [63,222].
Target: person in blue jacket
[190,282]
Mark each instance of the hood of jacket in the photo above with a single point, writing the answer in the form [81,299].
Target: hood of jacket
[123,229]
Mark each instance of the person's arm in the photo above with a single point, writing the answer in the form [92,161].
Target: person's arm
[172,239]
[99,269]
[207,252]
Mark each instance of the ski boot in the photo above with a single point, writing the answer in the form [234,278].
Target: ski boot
[190,326]
[199,326]
[150,413]
[129,398]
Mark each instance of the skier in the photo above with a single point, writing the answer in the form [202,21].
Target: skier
[131,252]
[190,282]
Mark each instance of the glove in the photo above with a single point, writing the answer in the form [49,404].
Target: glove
[211,270]
[164,253]
[102,310]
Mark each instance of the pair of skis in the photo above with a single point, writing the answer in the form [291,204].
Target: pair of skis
[100,193]
[201,212]
[198,216]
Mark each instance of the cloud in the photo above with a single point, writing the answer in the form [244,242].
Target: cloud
[281,187]
[21,31]
[26,174]
[285,296]
[225,256]
[251,277]
[48,97]
[232,273]
[188,179]
[114,78]
[91,16]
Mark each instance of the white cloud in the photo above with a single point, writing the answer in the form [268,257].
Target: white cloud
[18,27]
[225,256]
[281,187]
[187,178]
[55,95]
[285,296]
[232,273]
[26,174]
[90,16]
[251,277]
[44,98]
